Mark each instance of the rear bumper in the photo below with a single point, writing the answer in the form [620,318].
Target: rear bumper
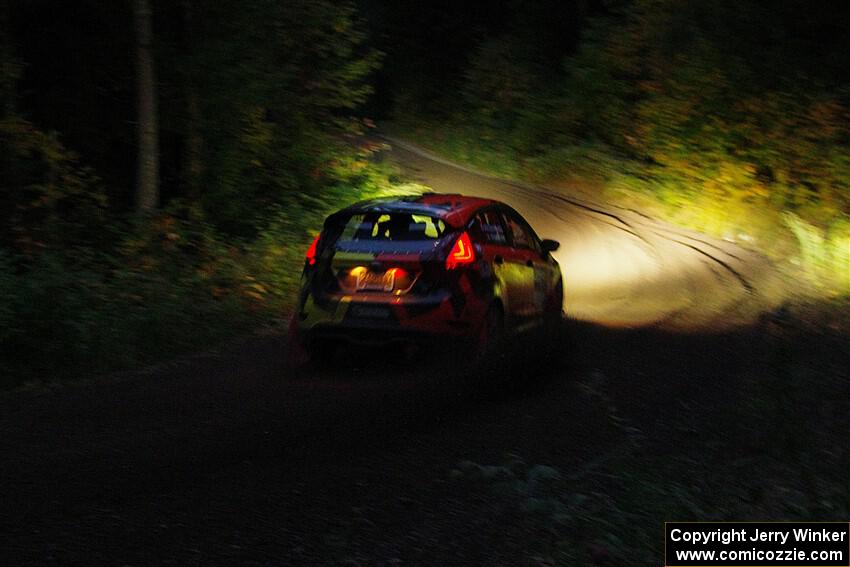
[368,337]
[373,319]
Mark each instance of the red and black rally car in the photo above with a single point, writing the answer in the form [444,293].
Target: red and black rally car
[434,266]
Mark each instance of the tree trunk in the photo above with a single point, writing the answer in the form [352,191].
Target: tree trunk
[8,70]
[147,187]
[194,142]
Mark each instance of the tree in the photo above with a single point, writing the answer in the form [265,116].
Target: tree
[8,65]
[147,188]
[269,91]
[194,142]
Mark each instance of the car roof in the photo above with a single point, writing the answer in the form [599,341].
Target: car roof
[454,209]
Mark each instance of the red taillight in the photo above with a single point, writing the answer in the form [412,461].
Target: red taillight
[462,253]
[311,252]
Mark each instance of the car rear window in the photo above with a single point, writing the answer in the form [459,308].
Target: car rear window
[396,227]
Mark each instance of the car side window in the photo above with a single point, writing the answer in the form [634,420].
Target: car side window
[488,228]
[521,234]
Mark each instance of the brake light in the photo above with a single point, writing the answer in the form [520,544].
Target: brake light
[462,253]
[311,252]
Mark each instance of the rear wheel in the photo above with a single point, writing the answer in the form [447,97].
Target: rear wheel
[491,338]
[553,319]
[555,304]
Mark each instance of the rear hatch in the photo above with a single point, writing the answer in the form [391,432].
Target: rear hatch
[386,253]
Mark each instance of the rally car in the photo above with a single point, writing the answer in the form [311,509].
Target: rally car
[459,269]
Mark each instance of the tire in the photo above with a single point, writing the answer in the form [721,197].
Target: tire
[491,338]
[555,305]
[553,321]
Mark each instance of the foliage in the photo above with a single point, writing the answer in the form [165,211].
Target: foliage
[259,135]
[499,80]
[824,254]
[164,284]
[160,289]
[46,196]
[718,115]
[276,85]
